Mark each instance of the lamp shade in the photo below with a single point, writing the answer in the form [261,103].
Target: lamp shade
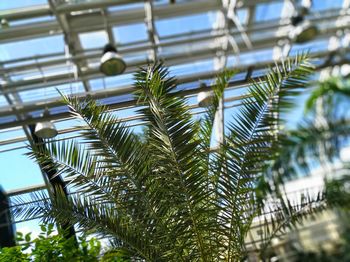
[303,32]
[111,62]
[45,129]
[4,23]
[345,70]
[345,154]
[204,99]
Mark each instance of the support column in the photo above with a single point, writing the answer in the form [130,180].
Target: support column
[7,233]
[55,181]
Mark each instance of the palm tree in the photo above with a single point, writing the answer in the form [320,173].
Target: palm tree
[169,196]
[316,143]
[320,136]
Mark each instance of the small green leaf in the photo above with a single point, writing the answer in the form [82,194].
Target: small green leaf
[50,226]
[27,237]
[43,228]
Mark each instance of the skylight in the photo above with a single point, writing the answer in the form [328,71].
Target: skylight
[326,4]
[184,24]
[95,39]
[130,33]
[31,47]
[8,4]
[268,11]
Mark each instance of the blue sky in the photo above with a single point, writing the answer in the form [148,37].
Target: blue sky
[17,170]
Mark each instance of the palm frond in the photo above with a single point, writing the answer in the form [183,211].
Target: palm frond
[310,146]
[252,142]
[173,143]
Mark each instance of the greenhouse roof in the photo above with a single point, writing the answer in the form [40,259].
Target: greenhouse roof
[53,46]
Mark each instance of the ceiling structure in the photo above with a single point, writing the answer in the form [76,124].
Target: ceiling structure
[56,45]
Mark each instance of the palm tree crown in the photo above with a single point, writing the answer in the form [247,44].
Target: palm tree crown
[169,196]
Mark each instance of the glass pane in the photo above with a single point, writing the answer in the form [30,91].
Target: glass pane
[184,24]
[11,133]
[46,72]
[32,47]
[14,175]
[51,92]
[242,15]
[326,4]
[32,20]
[125,7]
[314,46]
[93,39]
[111,82]
[130,33]
[8,4]
[192,68]
[3,101]
[269,11]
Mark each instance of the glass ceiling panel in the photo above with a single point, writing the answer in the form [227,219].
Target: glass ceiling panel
[51,92]
[31,47]
[326,4]
[268,11]
[95,39]
[69,123]
[315,46]
[7,119]
[185,24]
[11,133]
[3,101]
[192,68]
[44,72]
[125,7]
[33,60]
[242,15]
[130,33]
[32,20]
[186,48]
[111,82]
[11,4]
[251,57]
[13,175]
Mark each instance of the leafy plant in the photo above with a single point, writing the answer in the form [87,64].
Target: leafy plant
[51,248]
[169,196]
[13,254]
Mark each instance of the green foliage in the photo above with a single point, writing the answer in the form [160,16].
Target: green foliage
[13,254]
[168,196]
[319,137]
[332,90]
[51,247]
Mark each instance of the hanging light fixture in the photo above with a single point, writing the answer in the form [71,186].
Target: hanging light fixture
[303,30]
[204,98]
[345,70]
[45,129]
[345,154]
[4,23]
[111,62]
